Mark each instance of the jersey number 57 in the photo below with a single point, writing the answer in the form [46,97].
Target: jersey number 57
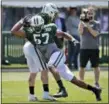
[38,40]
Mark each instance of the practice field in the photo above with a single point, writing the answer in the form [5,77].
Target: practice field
[15,89]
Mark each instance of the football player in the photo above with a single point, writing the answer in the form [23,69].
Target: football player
[34,61]
[49,13]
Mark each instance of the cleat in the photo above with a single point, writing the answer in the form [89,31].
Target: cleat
[97,93]
[61,93]
[49,97]
[32,98]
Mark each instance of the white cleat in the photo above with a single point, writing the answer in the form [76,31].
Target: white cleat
[32,98]
[49,97]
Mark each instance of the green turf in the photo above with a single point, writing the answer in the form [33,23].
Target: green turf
[25,65]
[15,89]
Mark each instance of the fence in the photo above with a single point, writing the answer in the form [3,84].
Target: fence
[12,48]
[104,48]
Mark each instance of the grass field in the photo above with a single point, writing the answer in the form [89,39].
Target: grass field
[15,89]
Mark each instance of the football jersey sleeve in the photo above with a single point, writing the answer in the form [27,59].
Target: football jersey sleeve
[54,27]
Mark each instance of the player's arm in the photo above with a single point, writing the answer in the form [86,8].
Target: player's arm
[65,35]
[16,29]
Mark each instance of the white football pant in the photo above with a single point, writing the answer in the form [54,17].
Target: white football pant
[57,59]
[34,60]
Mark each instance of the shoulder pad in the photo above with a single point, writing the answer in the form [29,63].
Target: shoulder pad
[50,25]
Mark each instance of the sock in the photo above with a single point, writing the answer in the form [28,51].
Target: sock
[31,89]
[46,90]
[60,84]
[45,87]
[89,87]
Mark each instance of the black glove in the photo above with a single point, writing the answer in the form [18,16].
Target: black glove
[26,20]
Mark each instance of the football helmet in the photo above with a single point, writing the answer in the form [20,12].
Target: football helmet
[37,22]
[50,9]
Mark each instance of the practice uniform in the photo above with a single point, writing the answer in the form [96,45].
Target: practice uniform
[49,53]
[59,41]
[44,41]
[28,45]
[34,62]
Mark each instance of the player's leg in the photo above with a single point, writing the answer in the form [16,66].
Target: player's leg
[33,71]
[68,75]
[84,57]
[62,89]
[35,64]
[59,82]
[95,90]
[44,76]
[55,59]
[31,82]
[94,58]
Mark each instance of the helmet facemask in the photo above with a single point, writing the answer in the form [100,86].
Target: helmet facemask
[37,23]
[51,10]
[39,28]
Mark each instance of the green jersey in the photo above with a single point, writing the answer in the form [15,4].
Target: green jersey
[46,18]
[44,40]
[45,36]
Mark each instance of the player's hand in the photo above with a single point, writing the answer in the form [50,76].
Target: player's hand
[26,20]
[76,42]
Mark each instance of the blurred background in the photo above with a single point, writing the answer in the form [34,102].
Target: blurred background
[14,10]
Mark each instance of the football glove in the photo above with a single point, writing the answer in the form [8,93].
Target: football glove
[75,41]
[26,20]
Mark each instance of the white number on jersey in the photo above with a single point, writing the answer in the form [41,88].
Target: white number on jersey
[36,36]
[38,40]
